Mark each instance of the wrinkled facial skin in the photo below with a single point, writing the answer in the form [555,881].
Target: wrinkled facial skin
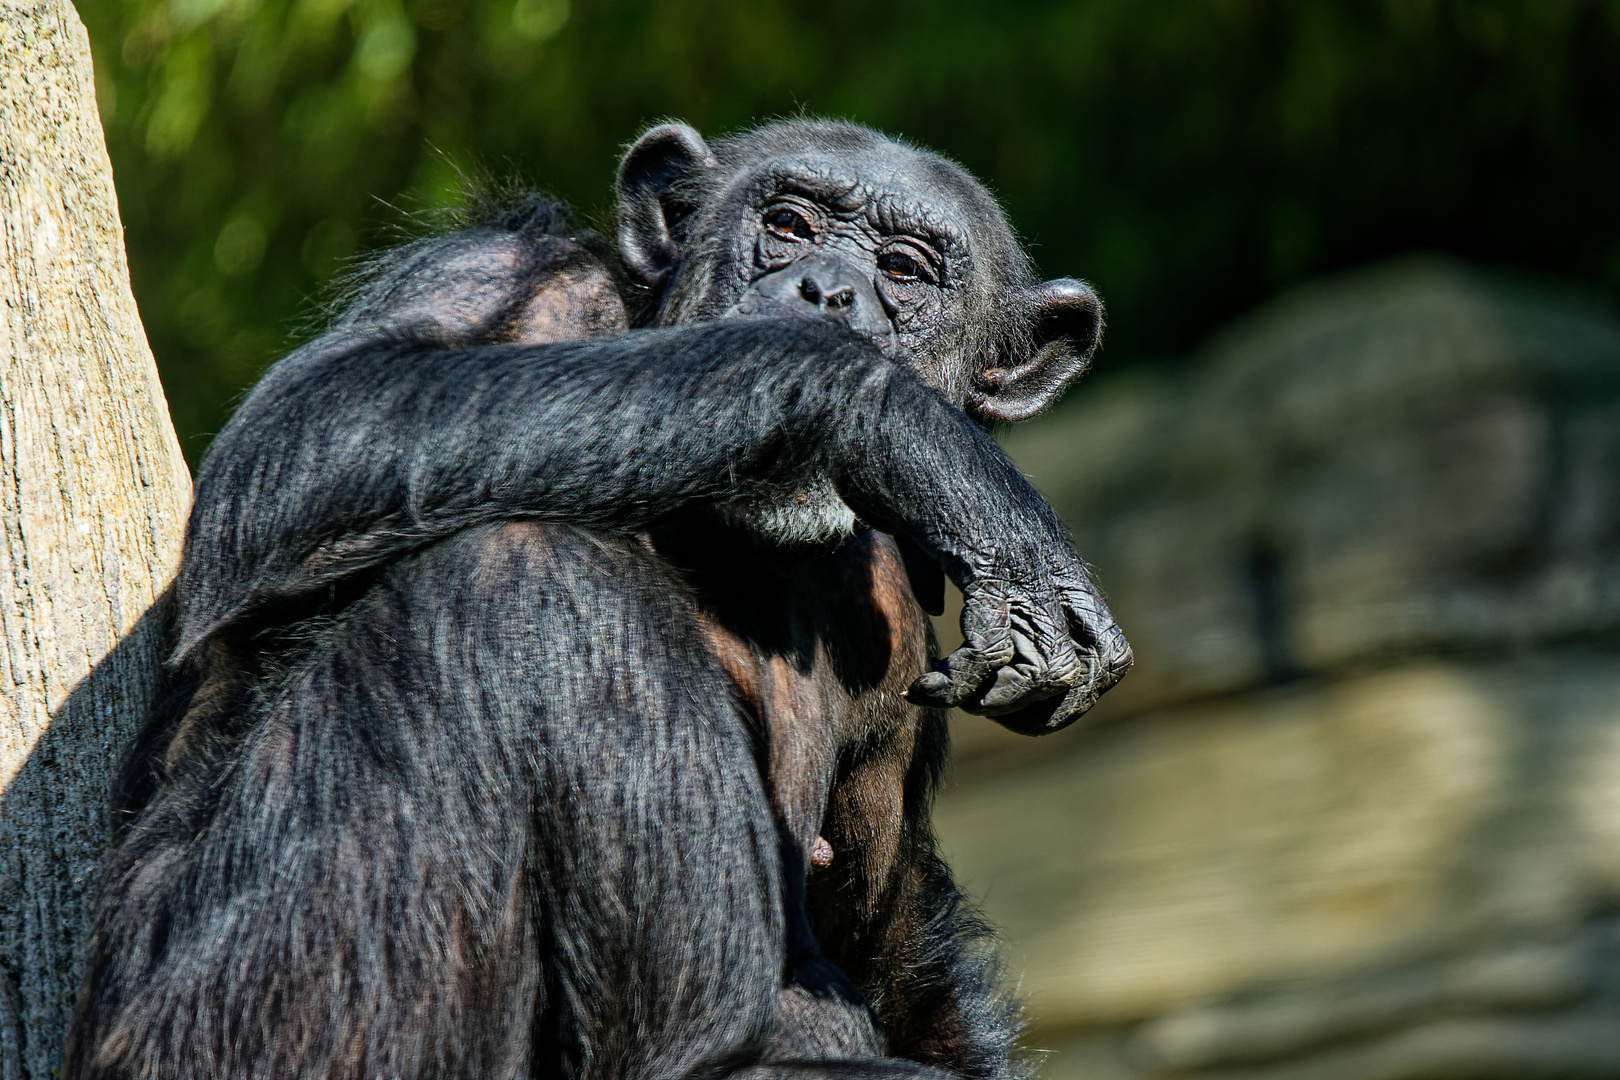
[816,219]
[813,242]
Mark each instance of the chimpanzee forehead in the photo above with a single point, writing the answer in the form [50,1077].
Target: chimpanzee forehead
[895,187]
[864,174]
[893,200]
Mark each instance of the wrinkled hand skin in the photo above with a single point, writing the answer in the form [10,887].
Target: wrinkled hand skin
[1038,648]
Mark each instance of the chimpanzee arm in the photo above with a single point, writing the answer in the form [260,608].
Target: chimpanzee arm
[358,448]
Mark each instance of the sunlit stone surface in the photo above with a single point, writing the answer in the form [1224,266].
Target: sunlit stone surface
[1357,812]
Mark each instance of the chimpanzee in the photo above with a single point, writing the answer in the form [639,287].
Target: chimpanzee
[551,698]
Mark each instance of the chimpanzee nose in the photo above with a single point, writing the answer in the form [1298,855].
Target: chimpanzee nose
[834,298]
[824,285]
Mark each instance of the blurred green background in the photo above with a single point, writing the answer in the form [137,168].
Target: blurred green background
[1190,157]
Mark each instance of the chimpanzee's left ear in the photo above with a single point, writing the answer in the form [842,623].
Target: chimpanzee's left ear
[1067,318]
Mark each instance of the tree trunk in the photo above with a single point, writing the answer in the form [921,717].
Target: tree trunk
[93,495]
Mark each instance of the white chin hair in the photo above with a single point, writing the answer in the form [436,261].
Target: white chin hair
[815,517]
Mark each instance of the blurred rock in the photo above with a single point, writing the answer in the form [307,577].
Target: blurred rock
[1417,457]
[1357,816]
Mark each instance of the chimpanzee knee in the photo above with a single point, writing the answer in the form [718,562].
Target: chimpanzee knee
[657,871]
[500,809]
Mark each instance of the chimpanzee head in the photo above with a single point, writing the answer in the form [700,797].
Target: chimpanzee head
[831,220]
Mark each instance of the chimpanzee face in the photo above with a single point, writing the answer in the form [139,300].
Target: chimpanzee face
[822,220]
[815,238]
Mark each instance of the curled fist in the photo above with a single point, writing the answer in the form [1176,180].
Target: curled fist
[1039,649]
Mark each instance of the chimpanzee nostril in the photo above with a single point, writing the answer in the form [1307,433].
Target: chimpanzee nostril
[840,298]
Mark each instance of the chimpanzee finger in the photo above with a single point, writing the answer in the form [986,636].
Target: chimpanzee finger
[1050,714]
[988,646]
[1045,663]
[1099,637]
[1115,656]
[959,676]
[1109,658]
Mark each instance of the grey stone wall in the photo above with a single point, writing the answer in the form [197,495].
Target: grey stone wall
[1357,812]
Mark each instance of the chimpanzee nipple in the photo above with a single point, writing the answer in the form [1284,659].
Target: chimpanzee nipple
[821,855]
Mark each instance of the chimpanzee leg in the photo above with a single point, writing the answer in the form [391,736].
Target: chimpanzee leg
[501,815]
[673,923]
[334,879]
[656,871]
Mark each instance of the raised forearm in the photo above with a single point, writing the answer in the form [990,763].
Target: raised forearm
[359,448]
[353,450]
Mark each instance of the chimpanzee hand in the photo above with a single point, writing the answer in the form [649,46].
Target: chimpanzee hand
[1040,645]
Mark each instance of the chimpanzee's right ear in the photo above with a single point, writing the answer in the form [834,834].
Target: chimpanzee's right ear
[649,204]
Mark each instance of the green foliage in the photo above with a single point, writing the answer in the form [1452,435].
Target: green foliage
[1189,156]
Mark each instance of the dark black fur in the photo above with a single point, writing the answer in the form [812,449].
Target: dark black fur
[515,675]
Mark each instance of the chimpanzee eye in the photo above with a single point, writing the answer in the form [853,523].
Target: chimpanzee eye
[901,267]
[788,223]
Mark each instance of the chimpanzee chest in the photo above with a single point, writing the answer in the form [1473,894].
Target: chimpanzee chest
[821,651]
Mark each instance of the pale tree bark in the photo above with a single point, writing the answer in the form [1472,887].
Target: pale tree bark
[93,493]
